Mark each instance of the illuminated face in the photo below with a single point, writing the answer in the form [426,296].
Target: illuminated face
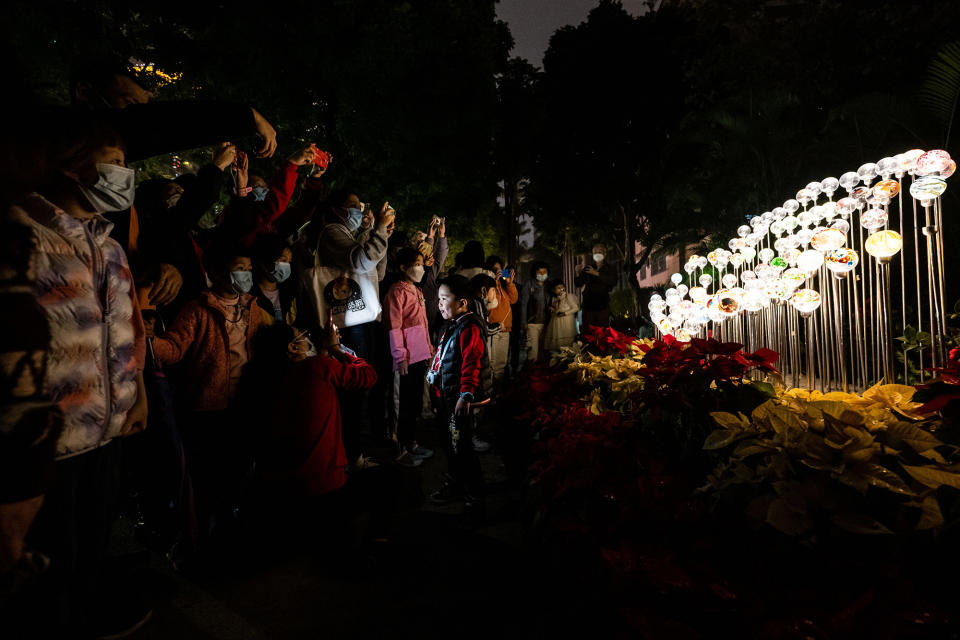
[450,306]
[241,263]
[416,263]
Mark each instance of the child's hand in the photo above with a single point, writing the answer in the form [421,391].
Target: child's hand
[331,335]
[148,326]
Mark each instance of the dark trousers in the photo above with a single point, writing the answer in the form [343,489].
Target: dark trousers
[359,408]
[155,463]
[599,318]
[463,462]
[411,402]
[515,346]
[215,448]
[359,511]
[73,528]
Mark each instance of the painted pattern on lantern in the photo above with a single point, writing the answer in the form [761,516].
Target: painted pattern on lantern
[841,260]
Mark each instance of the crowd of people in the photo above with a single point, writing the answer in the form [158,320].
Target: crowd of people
[254,359]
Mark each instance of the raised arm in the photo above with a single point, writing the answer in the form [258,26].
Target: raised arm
[338,246]
[173,345]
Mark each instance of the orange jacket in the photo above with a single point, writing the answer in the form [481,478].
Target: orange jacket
[507,294]
[199,336]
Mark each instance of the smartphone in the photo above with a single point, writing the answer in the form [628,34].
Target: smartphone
[505,274]
[320,158]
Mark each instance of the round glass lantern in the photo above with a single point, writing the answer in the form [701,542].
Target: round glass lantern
[841,261]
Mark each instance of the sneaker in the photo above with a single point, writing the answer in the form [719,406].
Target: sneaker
[422,452]
[408,459]
[446,493]
[480,446]
[474,512]
[361,464]
[123,622]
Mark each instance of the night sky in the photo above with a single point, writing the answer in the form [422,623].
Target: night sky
[532,22]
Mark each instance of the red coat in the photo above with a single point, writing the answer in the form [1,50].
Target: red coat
[199,337]
[281,188]
[304,451]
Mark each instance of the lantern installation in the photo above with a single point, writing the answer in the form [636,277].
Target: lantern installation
[812,278]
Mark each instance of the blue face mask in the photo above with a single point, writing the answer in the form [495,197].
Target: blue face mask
[281,271]
[354,219]
[242,281]
[259,193]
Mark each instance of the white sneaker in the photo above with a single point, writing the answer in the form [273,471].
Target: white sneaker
[480,446]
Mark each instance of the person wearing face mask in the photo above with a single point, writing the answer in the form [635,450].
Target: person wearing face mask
[213,337]
[342,249]
[95,359]
[562,328]
[533,308]
[167,211]
[254,213]
[597,279]
[274,287]
[411,350]
[500,311]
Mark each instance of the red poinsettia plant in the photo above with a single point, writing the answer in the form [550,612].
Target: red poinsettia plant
[608,340]
[944,389]
[677,374]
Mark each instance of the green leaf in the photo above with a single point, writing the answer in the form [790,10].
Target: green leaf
[722,438]
[788,516]
[940,92]
[879,476]
[934,455]
[766,388]
[919,439]
[855,480]
[931,516]
[745,449]
[909,333]
[730,421]
[860,523]
[933,477]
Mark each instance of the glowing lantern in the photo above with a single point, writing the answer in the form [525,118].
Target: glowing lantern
[883,245]
[806,301]
[841,261]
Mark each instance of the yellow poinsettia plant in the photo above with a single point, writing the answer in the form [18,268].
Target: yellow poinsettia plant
[811,458]
[609,380]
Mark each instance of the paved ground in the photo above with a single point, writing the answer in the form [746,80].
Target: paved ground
[434,577]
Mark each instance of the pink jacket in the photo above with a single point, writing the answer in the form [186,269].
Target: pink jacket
[407,322]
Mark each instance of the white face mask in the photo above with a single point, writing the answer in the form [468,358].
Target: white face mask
[598,257]
[493,304]
[242,281]
[542,277]
[281,271]
[114,189]
[415,273]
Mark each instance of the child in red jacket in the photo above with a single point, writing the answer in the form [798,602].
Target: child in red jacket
[213,337]
[460,375]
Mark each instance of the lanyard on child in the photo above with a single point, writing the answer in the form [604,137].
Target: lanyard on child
[441,353]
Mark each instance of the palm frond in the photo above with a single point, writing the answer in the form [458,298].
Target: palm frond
[940,92]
